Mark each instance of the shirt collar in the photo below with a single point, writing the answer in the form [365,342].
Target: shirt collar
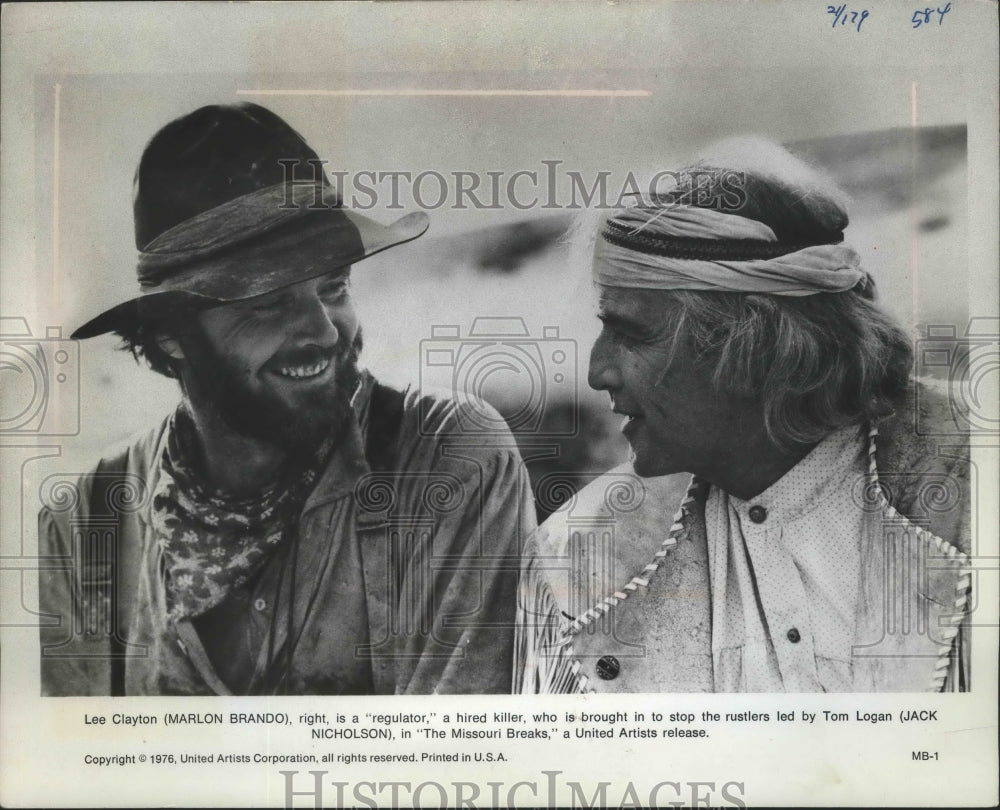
[800,490]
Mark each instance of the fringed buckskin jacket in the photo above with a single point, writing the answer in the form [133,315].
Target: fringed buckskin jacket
[405,579]
[615,593]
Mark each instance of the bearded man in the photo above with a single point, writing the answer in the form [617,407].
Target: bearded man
[294,527]
[789,521]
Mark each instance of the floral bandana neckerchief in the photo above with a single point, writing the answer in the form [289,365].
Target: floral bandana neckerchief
[210,543]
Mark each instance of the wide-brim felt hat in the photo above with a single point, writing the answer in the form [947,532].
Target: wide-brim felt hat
[231,203]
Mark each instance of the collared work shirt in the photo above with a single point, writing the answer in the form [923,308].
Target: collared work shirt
[652,625]
[784,571]
[402,582]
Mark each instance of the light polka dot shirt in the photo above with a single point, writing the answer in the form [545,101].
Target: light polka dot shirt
[784,575]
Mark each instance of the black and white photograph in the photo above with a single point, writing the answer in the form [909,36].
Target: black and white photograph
[499,404]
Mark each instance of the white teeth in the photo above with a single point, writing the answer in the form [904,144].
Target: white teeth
[305,371]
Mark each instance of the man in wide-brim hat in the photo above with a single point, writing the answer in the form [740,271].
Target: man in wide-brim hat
[258,549]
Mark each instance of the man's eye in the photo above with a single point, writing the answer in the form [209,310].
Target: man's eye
[333,292]
[626,338]
[268,306]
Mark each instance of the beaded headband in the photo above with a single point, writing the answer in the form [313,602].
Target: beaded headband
[703,249]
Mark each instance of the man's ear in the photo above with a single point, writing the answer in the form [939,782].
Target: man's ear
[170,346]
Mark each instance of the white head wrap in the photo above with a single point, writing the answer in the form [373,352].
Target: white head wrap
[804,271]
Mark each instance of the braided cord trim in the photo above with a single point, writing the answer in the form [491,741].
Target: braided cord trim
[704,249]
[640,580]
[962,588]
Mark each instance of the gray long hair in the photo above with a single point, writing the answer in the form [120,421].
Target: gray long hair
[816,363]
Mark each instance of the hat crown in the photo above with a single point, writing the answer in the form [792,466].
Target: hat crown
[209,157]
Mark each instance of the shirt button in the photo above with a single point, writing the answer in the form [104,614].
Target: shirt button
[758,514]
[794,636]
[260,604]
[608,667]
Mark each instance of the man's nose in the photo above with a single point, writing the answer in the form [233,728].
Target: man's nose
[603,373]
[315,321]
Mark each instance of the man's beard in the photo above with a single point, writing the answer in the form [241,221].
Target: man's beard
[259,413]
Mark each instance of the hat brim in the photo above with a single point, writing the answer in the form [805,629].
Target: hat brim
[229,281]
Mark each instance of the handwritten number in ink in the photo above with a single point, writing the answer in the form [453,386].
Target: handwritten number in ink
[924,16]
[843,17]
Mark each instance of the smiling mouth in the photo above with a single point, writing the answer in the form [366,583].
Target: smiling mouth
[304,372]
